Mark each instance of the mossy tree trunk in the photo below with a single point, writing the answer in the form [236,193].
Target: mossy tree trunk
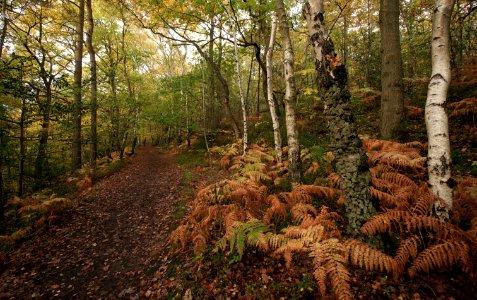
[350,159]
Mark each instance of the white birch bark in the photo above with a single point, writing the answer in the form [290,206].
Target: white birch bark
[242,99]
[273,111]
[290,95]
[439,158]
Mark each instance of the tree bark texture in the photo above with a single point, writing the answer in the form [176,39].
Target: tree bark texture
[2,196]
[41,162]
[273,112]
[242,98]
[391,71]
[94,86]
[78,75]
[23,149]
[439,159]
[3,34]
[350,159]
[224,88]
[290,95]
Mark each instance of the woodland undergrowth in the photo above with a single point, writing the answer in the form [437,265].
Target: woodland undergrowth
[24,216]
[258,210]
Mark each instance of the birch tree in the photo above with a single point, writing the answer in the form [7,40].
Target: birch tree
[273,111]
[290,94]
[242,99]
[350,159]
[439,159]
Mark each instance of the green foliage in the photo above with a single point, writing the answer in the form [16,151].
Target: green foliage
[192,158]
[241,235]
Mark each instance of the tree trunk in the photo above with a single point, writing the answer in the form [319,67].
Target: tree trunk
[3,34]
[21,171]
[350,159]
[439,158]
[249,81]
[273,112]
[391,71]
[345,39]
[204,114]
[78,74]
[242,99]
[124,61]
[2,195]
[290,95]
[258,91]
[224,89]
[41,162]
[266,42]
[94,86]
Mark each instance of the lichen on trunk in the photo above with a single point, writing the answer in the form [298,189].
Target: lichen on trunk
[350,159]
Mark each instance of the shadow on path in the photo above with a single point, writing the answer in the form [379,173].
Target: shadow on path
[109,246]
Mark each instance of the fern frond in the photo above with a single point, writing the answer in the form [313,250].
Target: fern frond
[334,180]
[225,162]
[301,211]
[275,241]
[257,176]
[414,112]
[330,254]
[464,107]
[382,184]
[441,256]
[200,242]
[255,156]
[258,166]
[307,235]
[397,159]
[407,249]
[318,191]
[383,145]
[385,199]
[320,276]
[294,197]
[362,255]
[180,234]
[242,234]
[465,200]
[290,247]
[312,169]
[328,220]
[385,222]
[277,209]
[398,179]
[233,214]
[212,212]
[425,201]
[251,193]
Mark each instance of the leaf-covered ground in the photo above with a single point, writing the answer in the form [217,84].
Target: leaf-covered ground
[110,245]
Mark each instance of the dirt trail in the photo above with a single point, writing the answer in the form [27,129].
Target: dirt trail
[109,246]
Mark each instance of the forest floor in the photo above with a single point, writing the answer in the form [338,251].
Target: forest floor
[110,245]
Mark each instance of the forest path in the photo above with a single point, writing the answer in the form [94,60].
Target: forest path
[109,246]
